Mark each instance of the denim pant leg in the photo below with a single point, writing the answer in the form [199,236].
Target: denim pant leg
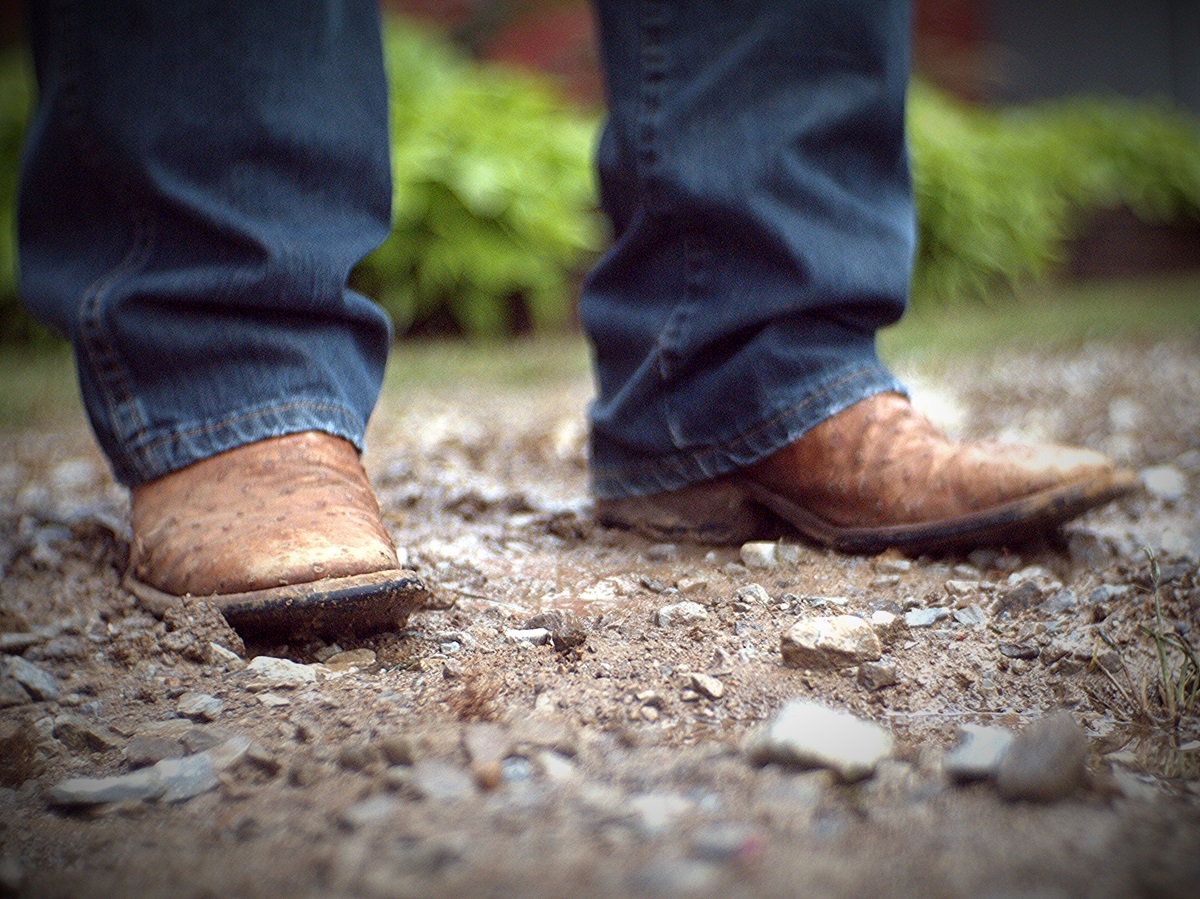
[199,179]
[755,171]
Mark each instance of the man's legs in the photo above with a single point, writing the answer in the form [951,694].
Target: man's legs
[755,172]
[198,182]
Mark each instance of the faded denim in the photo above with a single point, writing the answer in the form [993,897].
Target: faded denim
[199,179]
[755,171]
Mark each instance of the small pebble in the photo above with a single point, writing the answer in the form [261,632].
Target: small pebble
[39,683]
[876,675]
[1045,762]
[810,735]
[835,642]
[680,613]
[200,706]
[708,685]
[978,753]
[534,636]
[759,554]
[925,617]
[1165,482]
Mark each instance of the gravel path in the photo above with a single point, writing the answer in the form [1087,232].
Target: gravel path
[583,712]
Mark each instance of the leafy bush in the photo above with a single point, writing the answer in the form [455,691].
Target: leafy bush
[493,200]
[998,192]
[16,96]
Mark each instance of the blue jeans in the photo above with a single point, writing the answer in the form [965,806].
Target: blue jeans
[755,171]
[200,179]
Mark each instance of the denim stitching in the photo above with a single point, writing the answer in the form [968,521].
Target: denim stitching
[155,444]
[125,412]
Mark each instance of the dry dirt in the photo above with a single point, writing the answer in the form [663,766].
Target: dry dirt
[456,761]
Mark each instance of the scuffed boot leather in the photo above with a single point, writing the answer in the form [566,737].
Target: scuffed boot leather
[284,534]
[880,475]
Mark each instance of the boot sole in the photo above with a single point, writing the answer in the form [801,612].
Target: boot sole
[334,607]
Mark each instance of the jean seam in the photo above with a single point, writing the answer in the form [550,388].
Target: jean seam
[111,375]
[679,463]
[156,443]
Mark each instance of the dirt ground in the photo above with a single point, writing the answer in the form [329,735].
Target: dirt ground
[456,758]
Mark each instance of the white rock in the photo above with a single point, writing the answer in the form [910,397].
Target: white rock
[708,685]
[834,642]
[978,753]
[143,784]
[810,735]
[222,655]
[755,594]
[759,554]
[686,612]
[534,636]
[273,672]
[888,625]
[1166,482]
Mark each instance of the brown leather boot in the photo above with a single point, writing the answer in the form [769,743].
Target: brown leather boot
[284,535]
[880,475]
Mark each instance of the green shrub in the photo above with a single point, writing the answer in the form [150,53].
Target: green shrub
[16,97]
[998,192]
[493,198]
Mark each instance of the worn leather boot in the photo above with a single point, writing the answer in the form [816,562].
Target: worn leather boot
[284,535]
[880,475]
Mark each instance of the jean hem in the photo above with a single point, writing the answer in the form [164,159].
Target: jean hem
[642,477]
[160,452]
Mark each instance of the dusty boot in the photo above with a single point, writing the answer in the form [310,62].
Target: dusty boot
[284,535]
[880,475]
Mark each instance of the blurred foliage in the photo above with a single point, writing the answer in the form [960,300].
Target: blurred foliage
[1000,191]
[494,200]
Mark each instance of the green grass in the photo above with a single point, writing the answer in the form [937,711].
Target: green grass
[1050,315]
[37,386]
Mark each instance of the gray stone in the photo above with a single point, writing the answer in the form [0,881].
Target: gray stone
[1045,762]
[1062,601]
[1107,593]
[200,706]
[893,566]
[925,617]
[39,683]
[82,735]
[833,642]
[138,785]
[876,675]
[1165,482]
[971,616]
[186,777]
[978,753]
[810,735]
[680,613]
[12,693]
[221,655]
[759,554]
[148,750]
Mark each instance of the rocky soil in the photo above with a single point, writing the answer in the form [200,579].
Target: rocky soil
[582,711]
